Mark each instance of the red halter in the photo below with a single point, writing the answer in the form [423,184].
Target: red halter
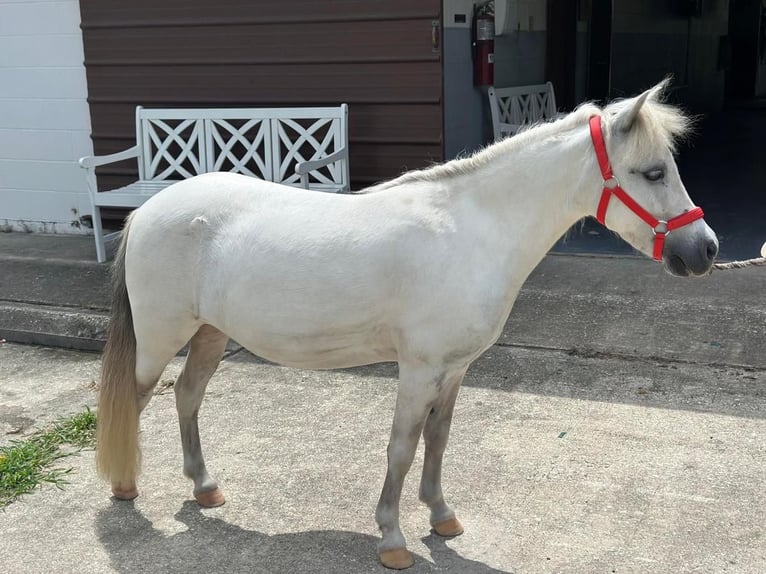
[660,227]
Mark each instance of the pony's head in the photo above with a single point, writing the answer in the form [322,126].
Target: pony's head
[640,135]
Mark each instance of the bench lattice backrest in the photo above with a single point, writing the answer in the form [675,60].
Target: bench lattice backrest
[239,145]
[173,144]
[265,143]
[304,139]
[518,106]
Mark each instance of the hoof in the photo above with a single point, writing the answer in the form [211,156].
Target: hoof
[128,492]
[398,558]
[210,498]
[449,527]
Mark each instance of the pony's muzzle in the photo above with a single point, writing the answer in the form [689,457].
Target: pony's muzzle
[690,251]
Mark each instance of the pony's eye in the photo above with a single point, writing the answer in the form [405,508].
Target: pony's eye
[655,174]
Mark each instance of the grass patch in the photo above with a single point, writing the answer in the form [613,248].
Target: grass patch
[25,464]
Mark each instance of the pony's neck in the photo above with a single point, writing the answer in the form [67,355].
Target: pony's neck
[532,190]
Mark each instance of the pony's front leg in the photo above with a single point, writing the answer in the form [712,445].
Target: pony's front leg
[435,435]
[418,389]
[205,351]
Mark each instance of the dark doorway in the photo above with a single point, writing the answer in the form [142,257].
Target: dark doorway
[561,51]
[722,162]
[746,26]
[600,50]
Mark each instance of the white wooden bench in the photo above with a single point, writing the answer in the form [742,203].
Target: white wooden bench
[514,107]
[305,147]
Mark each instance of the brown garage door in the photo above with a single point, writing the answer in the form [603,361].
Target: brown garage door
[378,57]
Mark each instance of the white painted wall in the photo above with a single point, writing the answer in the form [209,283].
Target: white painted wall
[44,119]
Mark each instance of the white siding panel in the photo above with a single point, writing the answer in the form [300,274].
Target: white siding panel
[30,52]
[39,18]
[56,83]
[34,175]
[55,145]
[44,114]
[82,144]
[32,206]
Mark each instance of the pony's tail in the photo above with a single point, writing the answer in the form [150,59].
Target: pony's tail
[118,457]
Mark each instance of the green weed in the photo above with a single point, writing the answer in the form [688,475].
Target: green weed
[25,464]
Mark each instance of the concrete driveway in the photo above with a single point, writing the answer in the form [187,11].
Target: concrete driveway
[559,461]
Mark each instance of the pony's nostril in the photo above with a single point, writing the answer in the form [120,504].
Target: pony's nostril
[712,249]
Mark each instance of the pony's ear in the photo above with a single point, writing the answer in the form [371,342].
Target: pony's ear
[656,93]
[625,118]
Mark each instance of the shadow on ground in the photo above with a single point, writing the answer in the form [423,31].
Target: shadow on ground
[590,375]
[213,545]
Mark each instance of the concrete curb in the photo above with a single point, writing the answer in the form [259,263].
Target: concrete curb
[52,326]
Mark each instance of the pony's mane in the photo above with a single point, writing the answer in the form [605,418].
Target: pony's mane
[657,124]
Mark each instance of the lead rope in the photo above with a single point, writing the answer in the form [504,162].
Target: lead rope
[755,262]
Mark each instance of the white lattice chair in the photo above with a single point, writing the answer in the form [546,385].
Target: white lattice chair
[514,107]
[306,147]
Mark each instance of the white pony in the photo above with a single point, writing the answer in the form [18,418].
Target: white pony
[422,270]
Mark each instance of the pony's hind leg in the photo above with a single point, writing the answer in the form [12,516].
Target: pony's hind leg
[206,349]
[151,360]
[435,435]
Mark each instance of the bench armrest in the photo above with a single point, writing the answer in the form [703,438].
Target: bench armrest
[92,161]
[303,168]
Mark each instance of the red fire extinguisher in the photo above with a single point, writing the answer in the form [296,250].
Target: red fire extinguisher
[483,45]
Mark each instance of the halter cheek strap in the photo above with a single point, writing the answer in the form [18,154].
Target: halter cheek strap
[660,227]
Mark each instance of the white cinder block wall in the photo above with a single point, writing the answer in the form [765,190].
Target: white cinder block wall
[44,120]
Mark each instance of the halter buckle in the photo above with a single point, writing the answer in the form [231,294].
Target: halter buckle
[611,182]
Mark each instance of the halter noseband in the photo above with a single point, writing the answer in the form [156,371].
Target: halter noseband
[660,227]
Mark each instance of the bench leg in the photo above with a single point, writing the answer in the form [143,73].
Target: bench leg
[98,234]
